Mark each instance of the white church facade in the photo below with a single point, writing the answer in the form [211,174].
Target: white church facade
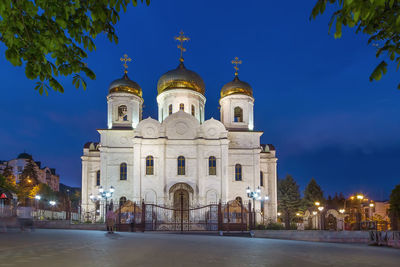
[181,152]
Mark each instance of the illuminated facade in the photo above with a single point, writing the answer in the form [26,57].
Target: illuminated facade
[180,151]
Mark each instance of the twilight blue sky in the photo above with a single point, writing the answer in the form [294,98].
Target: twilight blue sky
[313,99]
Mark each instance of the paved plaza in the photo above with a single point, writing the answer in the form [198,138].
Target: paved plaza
[94,248]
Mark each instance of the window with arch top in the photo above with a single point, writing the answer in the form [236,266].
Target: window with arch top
[193,111]
[212,166]
[238,172]
[181,165]
[149,165]
[181,106]
[261,179]
[170,109]
[98,178]
[123,171]
[238,114]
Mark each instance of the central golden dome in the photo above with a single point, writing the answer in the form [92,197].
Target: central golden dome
[181,78]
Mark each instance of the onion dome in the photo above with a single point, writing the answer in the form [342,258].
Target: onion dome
[236,87]
[181,78]
[24,156]
[125,85]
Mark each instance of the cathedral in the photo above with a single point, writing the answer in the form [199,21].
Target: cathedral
[181,153]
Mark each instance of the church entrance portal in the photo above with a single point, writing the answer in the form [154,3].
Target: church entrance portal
[181,204]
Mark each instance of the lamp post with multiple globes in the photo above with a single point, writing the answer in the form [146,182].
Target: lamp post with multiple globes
[256,195]
[103,195]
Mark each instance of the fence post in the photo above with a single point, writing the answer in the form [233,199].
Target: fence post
[220,216]
[134,217]
[250,216]
[143,215]
[229,220]
[241,214]
[181,212]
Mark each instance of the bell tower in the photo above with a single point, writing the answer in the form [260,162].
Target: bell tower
[237,102]
[124,101]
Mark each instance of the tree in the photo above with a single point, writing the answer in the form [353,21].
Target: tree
[5,184]
[312,193]
[9,175]
[380,19]
[394,210]
[288,199]
[27,181]
[51,37]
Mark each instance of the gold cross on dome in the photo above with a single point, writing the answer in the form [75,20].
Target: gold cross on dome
[125,59]
[236,62]
[181,38]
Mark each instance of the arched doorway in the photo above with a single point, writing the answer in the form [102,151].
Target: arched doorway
[181,194]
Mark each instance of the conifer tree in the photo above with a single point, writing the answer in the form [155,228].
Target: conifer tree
[288,199]
[395,207]
[29,174]
[312,193]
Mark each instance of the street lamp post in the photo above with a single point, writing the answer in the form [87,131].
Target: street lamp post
[37,198]
[256,195]
[103,195]
[52,204]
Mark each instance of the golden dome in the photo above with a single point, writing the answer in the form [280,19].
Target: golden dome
[181,78]
[236,87]
[125,85]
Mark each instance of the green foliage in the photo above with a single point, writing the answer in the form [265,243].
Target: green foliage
[395,207]
[274,226]
[380,19]
[29,175]
[9,175]
[5,184]
[288,199]
[51,37]
[312,193]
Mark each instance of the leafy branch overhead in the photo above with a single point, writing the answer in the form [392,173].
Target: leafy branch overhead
[51,37]
[380,19]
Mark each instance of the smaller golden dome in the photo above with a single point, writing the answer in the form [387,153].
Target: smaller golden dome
[181,78]
[125,85]
[236,87]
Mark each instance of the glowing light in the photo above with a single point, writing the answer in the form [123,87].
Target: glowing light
[258,190]
[314,213]
[266,197]
[342,211]
[371,205]
[317,203]
[279,214]
[297,214]
[52,203]
[38,197]
[320,208]
[360,197]
[112,189]
[248,190]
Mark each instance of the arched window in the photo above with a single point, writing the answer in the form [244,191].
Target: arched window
[238,172]
[238,114]
[122,171]
[122,201]
[181,106]
[239,200]
[122,113]
[212,166]
[181,165]
[170,109]
[98,178]
[149,165]
[261,179]
[193,112]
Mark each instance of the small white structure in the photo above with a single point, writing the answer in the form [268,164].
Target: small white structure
[156,160]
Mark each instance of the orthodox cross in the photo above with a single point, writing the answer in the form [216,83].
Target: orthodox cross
[125,59]
[181,38]
[236,62]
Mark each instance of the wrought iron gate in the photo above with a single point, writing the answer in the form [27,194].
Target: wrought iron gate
[232,216]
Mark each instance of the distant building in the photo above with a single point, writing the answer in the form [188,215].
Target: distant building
[46,175]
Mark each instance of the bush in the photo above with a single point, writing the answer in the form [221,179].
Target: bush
[274,226]
[260,227]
